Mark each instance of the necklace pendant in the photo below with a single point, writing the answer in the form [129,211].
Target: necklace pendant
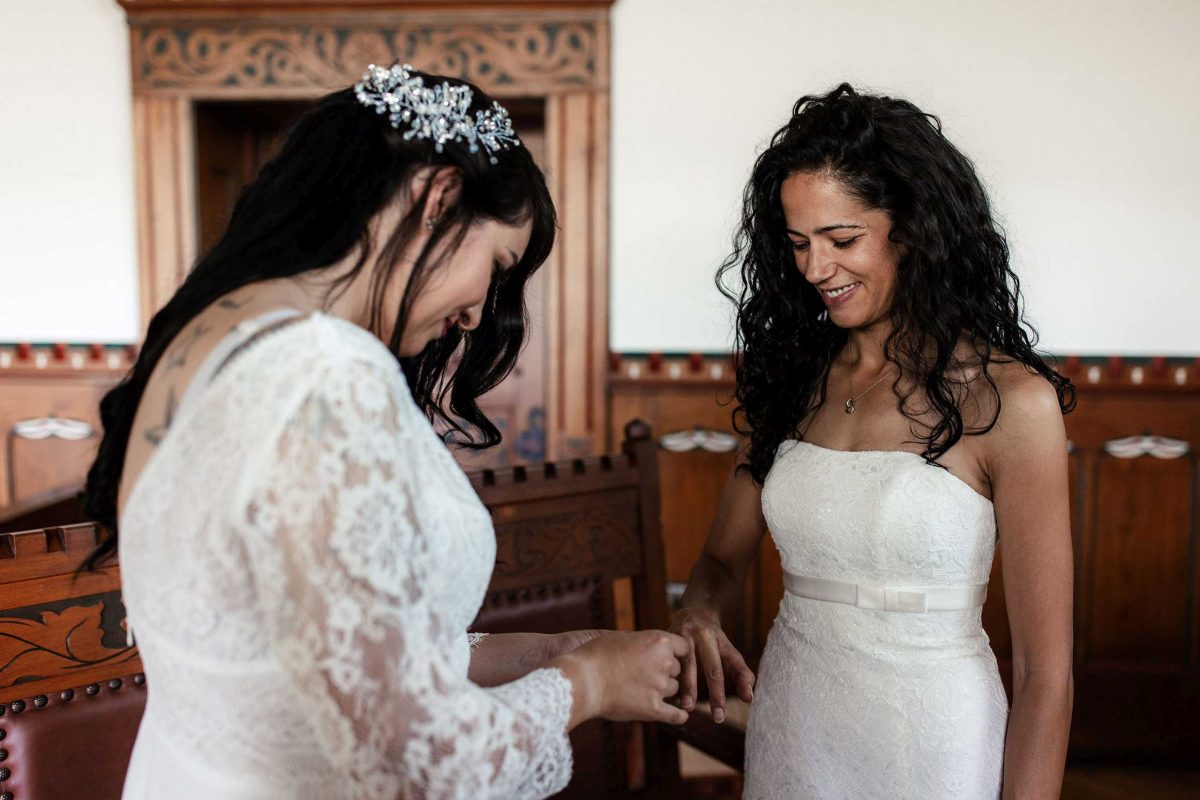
[850,406]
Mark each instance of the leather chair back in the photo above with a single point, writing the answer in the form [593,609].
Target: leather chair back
[72,744]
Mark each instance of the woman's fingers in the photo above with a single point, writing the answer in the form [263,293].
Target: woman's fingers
[742,676]
[675,667]
[714,676]
[670,714]
[687,679]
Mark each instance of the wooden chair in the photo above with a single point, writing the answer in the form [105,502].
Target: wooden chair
[580,546]
[55,508]
[71,689]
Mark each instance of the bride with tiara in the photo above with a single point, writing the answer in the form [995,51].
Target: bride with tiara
[900,425]
[300,554]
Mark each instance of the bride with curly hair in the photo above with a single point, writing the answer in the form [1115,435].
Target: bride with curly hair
[900,425]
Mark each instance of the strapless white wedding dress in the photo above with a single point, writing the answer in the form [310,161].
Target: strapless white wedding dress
[886,687]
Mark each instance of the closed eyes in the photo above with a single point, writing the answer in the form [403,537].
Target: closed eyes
[840,244]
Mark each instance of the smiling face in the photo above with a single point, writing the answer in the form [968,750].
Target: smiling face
[841,247]
[454,292]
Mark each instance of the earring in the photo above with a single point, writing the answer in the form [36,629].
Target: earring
[430,222]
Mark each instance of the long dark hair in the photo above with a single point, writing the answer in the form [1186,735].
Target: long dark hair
[953,282]
[309,208]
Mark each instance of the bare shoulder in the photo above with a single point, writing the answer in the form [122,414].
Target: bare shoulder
[1026,397]
[1030,417]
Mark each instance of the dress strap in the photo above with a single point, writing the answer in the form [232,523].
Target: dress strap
[917,599]
[241,334]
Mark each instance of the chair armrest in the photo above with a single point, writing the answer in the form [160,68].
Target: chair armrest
[726,742]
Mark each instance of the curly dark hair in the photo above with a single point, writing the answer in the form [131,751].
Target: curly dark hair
[312,206]
[953,283]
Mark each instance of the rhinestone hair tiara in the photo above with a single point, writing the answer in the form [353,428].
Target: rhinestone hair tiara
[439,113]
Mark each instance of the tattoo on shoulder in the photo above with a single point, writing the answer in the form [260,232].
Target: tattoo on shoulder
[157,433]
[177,356]
[234,303]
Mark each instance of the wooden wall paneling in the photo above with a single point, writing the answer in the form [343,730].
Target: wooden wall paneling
[164,162]
[579,342]
[1194,587]
[232,142]
[555,279]
[34,466]
[1137,680]
[669,407]
[1083,515]
[53,391]
[694,478]
[1139,567]
[1137,686]
[596,300]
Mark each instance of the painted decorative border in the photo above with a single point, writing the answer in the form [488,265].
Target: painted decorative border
[25,358]
[1178,373]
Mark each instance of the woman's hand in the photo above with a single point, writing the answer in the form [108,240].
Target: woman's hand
[626,676]
[714,591]
[710,652]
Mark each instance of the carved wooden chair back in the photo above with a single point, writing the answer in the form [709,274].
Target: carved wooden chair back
[579,545]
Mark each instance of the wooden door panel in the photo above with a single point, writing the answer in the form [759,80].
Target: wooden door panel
[1138,570]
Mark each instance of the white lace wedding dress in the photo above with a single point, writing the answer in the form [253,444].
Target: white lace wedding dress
[862,694]
[300,560]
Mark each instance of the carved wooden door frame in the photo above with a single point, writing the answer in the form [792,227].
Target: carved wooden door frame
[184,51]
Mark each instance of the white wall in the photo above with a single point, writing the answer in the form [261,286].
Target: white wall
[1083,118]
[68,257]
[1081,115]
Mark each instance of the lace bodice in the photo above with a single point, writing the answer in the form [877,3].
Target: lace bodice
[300,560]
[876,516]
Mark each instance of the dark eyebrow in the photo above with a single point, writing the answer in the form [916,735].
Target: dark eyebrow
[827,228]
[515,258]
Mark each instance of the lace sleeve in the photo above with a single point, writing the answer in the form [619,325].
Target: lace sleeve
[345,575]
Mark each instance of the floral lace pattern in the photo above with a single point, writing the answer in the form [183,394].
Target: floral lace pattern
[300,559]
[858,703]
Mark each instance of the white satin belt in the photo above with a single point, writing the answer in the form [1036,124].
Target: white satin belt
[887,598]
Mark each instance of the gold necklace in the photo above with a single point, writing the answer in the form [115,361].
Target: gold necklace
[850,400]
